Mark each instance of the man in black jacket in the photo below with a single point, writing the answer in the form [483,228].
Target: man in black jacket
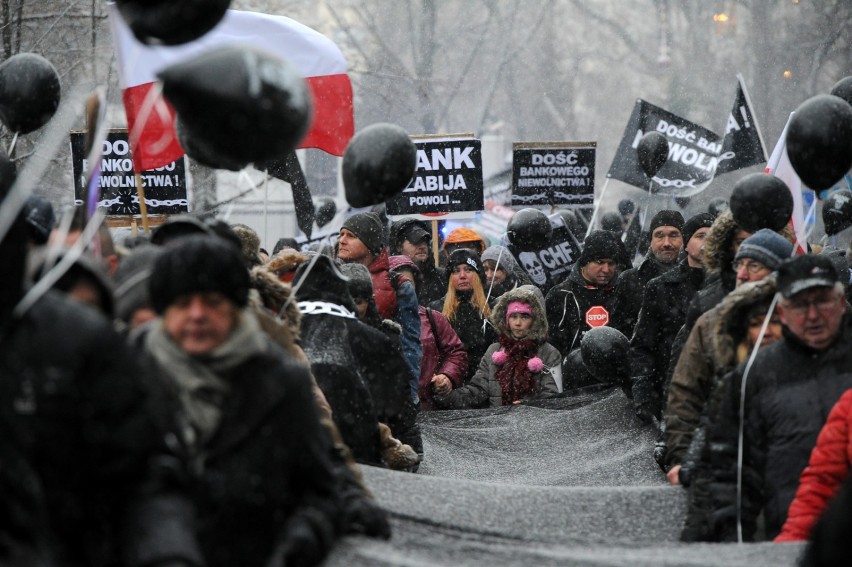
[789,390]
[662,314]
[410,237]
[586,299]
[666,241]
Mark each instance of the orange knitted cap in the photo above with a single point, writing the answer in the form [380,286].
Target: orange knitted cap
[464,235]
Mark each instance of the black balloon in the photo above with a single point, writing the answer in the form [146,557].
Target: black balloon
[203,152]
[760,200]
[529,230]
[242,102]
[843,89]
[819,141]
[326,208]
[378,164]
[653,151]
[837,212]
[611,221]
[29,92]
[606,353]
[171,22]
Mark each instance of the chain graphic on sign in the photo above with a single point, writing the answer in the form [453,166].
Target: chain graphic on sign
[678,183]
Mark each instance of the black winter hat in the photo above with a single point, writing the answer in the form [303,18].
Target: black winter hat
[196,264]
[368,228]
[700,220]
[599,244]
[804,272]
[178,227]
[465,256]
[666,218]
[320,279]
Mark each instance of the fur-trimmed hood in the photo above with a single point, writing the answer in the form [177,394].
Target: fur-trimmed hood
[273,294]
[727,328]
[717,246]
[538,330]
[286,260]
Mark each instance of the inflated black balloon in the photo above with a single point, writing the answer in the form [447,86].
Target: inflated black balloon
[529,230]
[203,152]
[843,89]
[242,102]
[819,141]
[837,212]
[606,354]
[378,163]
[612,222]
[760,200]
[29,92]
[326,208]
[171,22]
[653,151]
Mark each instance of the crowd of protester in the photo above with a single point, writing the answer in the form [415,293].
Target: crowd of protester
[189,399]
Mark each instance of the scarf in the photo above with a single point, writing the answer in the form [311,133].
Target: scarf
[200,381]
[516,380]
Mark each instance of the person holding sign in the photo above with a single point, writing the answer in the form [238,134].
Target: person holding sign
[587,298]
[466,307]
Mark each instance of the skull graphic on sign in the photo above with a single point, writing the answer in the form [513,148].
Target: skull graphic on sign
[533,267]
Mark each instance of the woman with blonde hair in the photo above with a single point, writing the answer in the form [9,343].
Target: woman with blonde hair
[466,307]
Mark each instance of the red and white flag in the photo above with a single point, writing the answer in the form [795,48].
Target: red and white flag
[150,120]
[779,165]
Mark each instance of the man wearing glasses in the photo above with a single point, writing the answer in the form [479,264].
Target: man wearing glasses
[698,367]
[790,389]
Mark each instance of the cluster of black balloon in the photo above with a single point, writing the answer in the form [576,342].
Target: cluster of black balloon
[29,92]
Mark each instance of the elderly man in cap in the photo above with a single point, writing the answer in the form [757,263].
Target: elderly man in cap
[586,299]
[697,368]
[361,241]
[662,315]
[789,390]
[410,237]
[666,232]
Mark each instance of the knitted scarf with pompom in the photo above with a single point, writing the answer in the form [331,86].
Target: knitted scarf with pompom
[516,380]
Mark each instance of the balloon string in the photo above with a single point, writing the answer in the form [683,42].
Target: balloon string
[12,145]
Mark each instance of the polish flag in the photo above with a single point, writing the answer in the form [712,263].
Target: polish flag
[150,119]
[779,165]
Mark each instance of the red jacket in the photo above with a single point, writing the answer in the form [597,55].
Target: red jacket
[454,363]
[383,291]
[827,469]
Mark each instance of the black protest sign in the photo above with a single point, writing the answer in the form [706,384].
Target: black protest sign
[553,173]
[447,181]
[551,265]
[693,152]
[743,145]
[165,187]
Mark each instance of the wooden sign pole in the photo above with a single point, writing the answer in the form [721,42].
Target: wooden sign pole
[143,208]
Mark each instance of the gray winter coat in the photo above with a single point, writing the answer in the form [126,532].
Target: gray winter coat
[484,386]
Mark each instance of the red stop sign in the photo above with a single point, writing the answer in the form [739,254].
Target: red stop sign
[597,316]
